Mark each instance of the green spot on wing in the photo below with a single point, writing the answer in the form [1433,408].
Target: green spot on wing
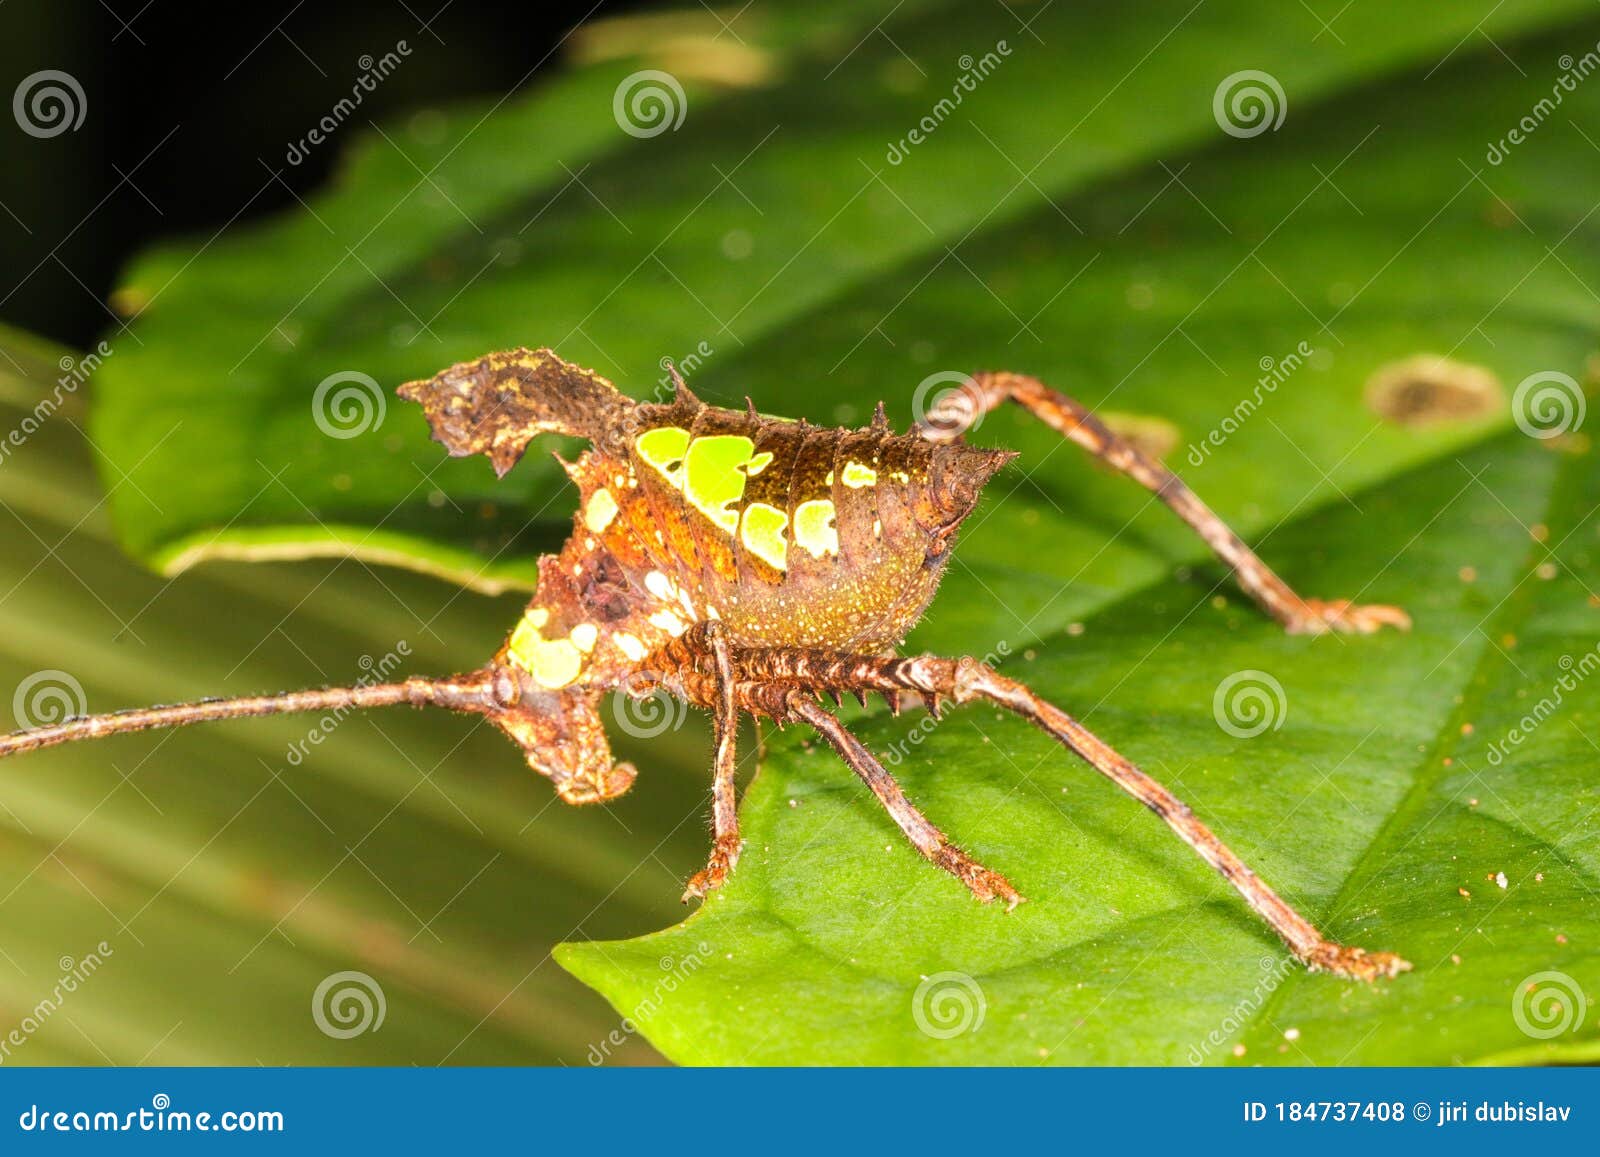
[663,449]
[714,477]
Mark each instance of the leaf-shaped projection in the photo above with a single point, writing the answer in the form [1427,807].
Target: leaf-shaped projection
[1094,225]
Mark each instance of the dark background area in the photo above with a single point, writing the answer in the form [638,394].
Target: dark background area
[191,111]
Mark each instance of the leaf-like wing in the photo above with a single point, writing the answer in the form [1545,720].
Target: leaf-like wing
[497,404]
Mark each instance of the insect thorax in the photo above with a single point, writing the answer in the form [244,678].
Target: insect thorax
[789,534]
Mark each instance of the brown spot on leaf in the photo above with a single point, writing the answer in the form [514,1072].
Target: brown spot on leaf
[691,45]
[1429,390]
[130,300]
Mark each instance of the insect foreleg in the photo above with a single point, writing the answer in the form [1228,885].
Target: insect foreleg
[957,410]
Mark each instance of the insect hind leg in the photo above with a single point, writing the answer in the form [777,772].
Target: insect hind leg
[965,680]
[959,409]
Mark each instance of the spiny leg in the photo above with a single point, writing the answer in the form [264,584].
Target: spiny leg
[474,692]
[927,839]
[958,409]
[724,805]
[965,680]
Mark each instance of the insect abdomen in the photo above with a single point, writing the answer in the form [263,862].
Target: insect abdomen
[803,535]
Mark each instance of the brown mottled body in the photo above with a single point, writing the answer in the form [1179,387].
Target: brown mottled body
[749,565]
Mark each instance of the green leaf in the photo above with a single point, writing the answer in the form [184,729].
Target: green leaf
[537,220]
[1081,215]
[1372,232]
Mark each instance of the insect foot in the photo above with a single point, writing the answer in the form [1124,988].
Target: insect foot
[724,855]
[1355,963]
[986,885]
[1346,617]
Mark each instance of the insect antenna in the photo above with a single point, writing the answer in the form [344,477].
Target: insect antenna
[473,692]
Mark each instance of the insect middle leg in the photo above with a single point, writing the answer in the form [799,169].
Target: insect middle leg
[724,803]
[702,668]
[986,885]
[957,410]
